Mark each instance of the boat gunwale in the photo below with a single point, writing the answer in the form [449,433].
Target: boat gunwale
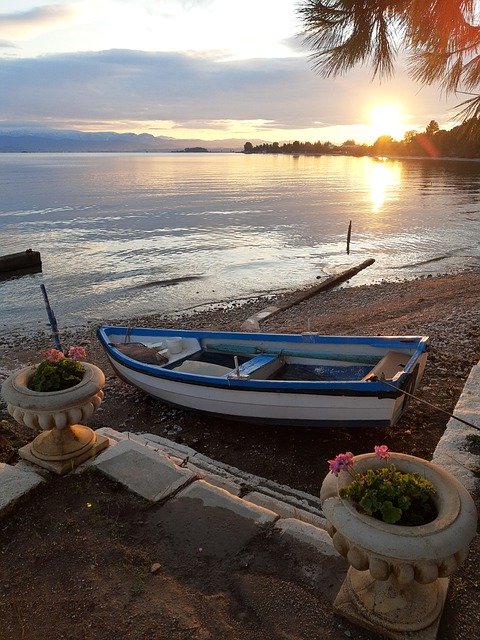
[320,387]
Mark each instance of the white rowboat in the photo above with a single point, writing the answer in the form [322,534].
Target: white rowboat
[305,379]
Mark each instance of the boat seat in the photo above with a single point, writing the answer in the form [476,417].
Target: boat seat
[260,367]
[202,368]
[392,363]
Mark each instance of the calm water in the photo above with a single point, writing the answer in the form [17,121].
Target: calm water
[124,234]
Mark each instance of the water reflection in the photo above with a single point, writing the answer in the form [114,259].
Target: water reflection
[382,176]
[222,226]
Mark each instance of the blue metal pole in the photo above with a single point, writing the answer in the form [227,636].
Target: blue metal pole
[52,320]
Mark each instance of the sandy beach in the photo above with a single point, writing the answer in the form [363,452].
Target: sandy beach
[446,308]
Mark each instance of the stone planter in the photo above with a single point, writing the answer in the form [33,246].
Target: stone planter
[64,443]
[398,576]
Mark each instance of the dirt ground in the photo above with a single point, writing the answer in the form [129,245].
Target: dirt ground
[70,570]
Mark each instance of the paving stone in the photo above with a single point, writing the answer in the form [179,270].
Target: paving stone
[295,496]
[203,519]
[110,433]
[225,476]
[225,470]
[29,467]
[285,509]
[149,474]
[167,446]
[307,534]
[15,483]
[311,549]
[214,497]
[453,449]
[218,481]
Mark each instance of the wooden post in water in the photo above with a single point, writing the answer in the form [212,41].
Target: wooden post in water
[349,233]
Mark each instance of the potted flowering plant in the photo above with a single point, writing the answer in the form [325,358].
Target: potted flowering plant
[404,525]
[386,493]
[56,395]
[59,371]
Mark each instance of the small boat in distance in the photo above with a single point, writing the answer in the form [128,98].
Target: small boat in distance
[304,380]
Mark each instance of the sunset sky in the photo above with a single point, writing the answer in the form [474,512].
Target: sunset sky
[208,69]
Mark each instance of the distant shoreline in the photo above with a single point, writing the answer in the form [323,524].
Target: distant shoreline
[238,151]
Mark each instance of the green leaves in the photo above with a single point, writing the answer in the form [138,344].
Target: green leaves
[393,496]
[442,39]
[56,376]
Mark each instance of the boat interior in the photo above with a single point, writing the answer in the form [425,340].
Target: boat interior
[186,355]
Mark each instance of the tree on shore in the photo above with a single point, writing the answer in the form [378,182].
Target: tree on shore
[441,38]
[432,128]
[462,141]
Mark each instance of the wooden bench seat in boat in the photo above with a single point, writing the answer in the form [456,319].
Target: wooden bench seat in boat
[260,367]
[202,368]
[392,363]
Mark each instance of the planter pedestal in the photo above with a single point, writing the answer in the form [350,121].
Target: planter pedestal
[62,450]
[398,577]
[64,444]
[396,612]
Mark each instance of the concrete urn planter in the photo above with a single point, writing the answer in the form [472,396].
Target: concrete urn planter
[64,443]
[397,580]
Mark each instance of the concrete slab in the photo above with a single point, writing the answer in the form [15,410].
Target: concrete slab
[285,509]
[148,474]
[225,470]
[455,449]
[218,481]
[15,483]
[206,520]
[307,534]
[311,549]
[218,473]
[295,497]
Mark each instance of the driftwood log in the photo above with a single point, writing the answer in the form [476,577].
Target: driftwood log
[252,323]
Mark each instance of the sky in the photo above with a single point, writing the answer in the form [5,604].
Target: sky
[192,69]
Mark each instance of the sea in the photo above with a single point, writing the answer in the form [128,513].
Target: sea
[129,234]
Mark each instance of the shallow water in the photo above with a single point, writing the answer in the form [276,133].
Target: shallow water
[126,234]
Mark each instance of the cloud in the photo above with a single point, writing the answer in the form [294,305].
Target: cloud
[6,44]
[26,24]
[156,86]
[186,92]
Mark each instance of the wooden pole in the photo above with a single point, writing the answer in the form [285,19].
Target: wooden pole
[349,234]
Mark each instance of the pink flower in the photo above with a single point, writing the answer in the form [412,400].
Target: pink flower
[341,461]
[381,450]
[53,355]
[77,353]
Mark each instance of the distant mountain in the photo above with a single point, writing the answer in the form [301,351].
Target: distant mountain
[53,140]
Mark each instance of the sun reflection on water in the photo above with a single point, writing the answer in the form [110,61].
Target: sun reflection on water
[382,177]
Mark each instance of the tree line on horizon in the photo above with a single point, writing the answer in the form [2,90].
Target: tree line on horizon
[463,141]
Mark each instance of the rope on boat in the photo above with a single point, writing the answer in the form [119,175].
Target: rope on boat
[433,406]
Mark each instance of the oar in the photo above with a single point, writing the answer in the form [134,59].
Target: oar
[52,320]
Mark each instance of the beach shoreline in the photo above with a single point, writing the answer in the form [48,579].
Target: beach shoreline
[442,307]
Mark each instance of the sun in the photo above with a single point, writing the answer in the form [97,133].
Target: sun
[387,120]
